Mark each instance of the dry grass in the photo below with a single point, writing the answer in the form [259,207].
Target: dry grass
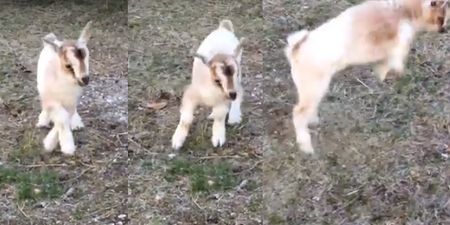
[381,148]
[91,187]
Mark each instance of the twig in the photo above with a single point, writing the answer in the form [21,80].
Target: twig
[141,147]
[45,165]
[218,157]
[79,175]
[365,85]
[21,211]
[251,168]
[195,202]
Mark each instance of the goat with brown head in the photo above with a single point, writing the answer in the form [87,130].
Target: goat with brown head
[63,68]
[216,83]
[224,70]
[73,54]
[435,15]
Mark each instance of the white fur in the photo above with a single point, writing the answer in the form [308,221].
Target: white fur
[202,91]
[59,93]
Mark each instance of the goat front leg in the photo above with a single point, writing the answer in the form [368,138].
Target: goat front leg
[187,109]
[51,140]
[75,122]
[61,117]
[218,131]
[395,62]
[382,70]
[235,114]
[44,119]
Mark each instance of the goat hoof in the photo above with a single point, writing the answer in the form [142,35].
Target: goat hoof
[234,119]
[77,126]
[68,149]
[314,121]
[49,144]
[218,141]
[177,142]
[211,116]
[43,125]
[308,149]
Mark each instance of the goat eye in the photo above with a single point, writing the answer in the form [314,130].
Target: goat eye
[433,3]
[218,82]
[68,66]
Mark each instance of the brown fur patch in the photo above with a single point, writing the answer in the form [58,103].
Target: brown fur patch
[377,23]
[80,54]
[227,69]
[297,45]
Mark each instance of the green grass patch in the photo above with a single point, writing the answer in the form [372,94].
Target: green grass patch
[256,205]
[204,177]
[31,185]
[29,147]
[276,219]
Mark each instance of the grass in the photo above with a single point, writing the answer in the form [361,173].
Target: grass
[32,185]
[203,177]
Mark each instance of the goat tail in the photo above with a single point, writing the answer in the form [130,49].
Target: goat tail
[227,24]
[295,40]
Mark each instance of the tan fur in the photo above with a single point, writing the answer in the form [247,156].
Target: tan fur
[377,32]
[227,24]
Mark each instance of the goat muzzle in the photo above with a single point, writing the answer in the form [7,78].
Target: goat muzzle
[84,81]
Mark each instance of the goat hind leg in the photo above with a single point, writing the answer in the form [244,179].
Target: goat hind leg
[75,121]
[300,118]
[305,112]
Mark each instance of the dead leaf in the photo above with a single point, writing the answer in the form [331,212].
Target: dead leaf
[156,105]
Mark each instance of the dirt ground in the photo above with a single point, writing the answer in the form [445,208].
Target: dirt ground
[382,148]
[37,188]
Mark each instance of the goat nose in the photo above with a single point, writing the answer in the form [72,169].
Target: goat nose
[442,30]
[85,80]
[232,95]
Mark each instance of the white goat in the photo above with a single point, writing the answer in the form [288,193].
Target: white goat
[379,32]
[62,70]
[216,83]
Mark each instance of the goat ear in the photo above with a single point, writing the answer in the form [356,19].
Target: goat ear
[238,49]
[85,34]
[202,58]
[53,41]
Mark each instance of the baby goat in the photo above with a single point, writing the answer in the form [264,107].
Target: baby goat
[379,32]
[62,70]
[216,83]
